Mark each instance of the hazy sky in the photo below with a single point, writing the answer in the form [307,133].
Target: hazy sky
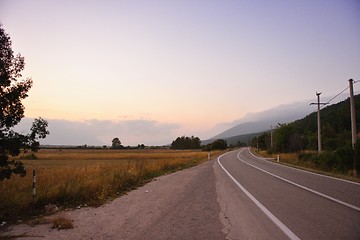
[183,66]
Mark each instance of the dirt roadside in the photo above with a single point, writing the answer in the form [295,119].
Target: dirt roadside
[182,205]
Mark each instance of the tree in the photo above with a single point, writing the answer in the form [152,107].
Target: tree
[186,143]
[282,137]
[12,92]
[116,143]
[219,144]
[262,141]
[296,143]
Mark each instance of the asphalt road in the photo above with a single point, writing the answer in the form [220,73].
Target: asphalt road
[265,200]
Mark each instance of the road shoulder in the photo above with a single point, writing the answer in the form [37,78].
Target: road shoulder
[182,205]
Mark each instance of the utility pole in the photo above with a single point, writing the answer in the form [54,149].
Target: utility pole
[318,120]
[271,138]
[353,117]
[353,121]
[318,123]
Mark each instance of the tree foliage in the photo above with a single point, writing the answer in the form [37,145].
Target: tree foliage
[141,146]
[116,143]
[12,91]
[186,143]
[284,138]
[262,141]
[219,144]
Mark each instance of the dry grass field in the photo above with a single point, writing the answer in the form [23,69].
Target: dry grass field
[69,178]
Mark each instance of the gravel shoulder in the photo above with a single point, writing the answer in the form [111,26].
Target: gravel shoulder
[181,205]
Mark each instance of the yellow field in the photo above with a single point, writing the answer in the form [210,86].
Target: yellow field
[69,178]
[52,158]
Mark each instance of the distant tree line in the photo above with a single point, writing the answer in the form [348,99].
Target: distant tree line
[219,144]
[186,143]
[238,144]
[195,143]
[180,143]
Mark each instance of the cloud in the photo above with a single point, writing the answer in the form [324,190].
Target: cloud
[101,132]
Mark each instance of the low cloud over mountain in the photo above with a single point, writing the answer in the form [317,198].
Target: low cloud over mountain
[262,121]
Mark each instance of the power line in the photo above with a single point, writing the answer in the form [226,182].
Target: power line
[323,104]
[336,96]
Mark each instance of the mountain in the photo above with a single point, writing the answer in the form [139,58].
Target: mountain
[254,124]
[262,121]
[246,138]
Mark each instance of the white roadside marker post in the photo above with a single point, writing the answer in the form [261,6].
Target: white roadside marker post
[34,185]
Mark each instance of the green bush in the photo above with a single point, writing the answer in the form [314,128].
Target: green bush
[339,161]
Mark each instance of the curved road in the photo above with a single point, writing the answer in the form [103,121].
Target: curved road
[283,202]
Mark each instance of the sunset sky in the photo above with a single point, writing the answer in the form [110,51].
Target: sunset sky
[149,71]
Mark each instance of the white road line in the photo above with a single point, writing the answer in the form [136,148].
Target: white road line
[301,170]
[302,187]
[274,219]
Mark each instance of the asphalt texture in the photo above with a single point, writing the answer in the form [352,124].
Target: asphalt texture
[307,215]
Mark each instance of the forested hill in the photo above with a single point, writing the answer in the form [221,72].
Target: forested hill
[335,128]
[337,116]
[337,153]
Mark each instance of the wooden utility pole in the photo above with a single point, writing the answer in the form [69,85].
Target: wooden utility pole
[352,110]
[271,138]
[318,120]
[353,121]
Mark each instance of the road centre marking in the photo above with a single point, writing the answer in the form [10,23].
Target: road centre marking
[274,219]
[300,186]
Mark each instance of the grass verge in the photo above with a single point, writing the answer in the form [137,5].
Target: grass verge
[297,160]
[69,178]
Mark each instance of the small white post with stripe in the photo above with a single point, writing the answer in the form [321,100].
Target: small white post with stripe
[34,185]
